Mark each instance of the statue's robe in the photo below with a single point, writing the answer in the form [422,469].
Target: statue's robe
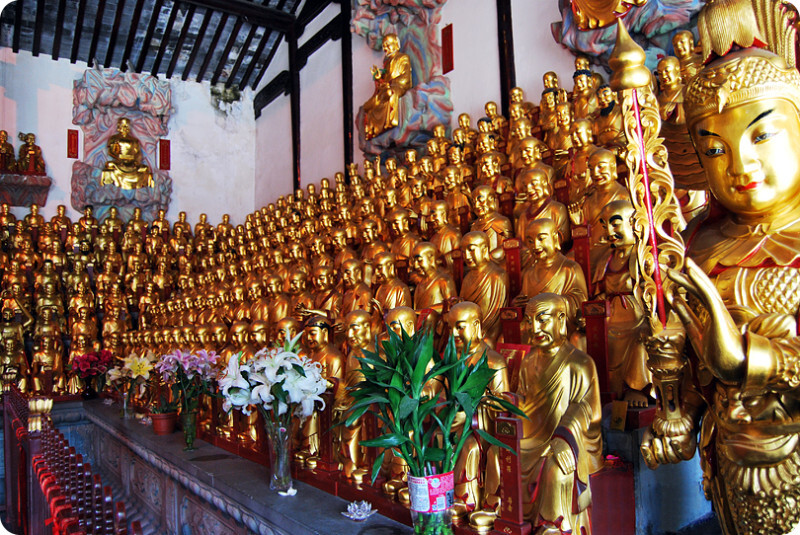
[487,288]
[392,294]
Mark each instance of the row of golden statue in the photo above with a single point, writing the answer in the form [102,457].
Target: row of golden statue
[492,218]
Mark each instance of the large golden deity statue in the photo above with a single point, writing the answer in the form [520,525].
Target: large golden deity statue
[382,111]
[124,168]
[743,114]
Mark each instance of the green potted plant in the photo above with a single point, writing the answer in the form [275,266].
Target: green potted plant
[416,394]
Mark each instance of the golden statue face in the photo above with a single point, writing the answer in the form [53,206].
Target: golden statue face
[515,111]
[582,63]
[581,133]
[602,168]
[616,221]
[358,329]
[399,224]
[491,109]
[683,43]
[485,143]
[483,201]
[369,231]
[391,44]
[476,250]
[454,155]
[542,239]
[669,72]
[546,324]
[529,152]
[464,120]
[516,95]
[581,82]
[314,337]
[438,215]
[124,126]
[550,80]
[465,327]
[383,268]
[536,186]
[351,273]
[490,166]
[424,260]
[563,115]
[297,283]
[605,96]
[748,153]
[400,320]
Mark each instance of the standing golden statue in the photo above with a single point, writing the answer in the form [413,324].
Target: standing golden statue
[8,164]
[124,168]
[743,116]
[382,110]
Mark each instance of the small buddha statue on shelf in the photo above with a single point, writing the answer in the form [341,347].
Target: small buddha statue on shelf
[435,284]
[125,169]
[391,292]
[30,161]
[485,283]
[607,122]
[584,100]
[381,111]
[499,123]
[670,94]
[517,96]
[8,163]
[690,61]
[488,219]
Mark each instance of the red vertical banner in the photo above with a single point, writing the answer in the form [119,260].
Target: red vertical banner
[447,49]
[72,143]
[163,154]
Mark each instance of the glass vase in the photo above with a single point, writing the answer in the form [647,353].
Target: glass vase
[280,450]
[189,424]
[127,409]
[431,503]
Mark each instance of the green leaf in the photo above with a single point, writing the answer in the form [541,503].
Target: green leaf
[467,403]
[386,441]
[434,455]
[376,466]
[355,415]
[477,382]
[407,406]
[493,441]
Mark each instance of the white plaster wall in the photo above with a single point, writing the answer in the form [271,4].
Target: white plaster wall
[475,78]
[273,152]
[535,50]
[212,150]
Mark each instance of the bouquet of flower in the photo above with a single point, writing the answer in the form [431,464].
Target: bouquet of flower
[277,381]
[131,377]
[189,375]
[280,384]
[93,366]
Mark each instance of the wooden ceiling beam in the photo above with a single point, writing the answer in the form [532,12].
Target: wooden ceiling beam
[137,15]
[148,37]
[242,53]
[76,38]
[212,46]
[260,50]
[17,26]
[223,58]
[197,44]
[37,29]
[251,12]
[62,7]
[98,25]
[176,52]
[162,47]
[112,38]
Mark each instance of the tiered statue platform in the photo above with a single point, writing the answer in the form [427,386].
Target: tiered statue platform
[208,490]
[24,190]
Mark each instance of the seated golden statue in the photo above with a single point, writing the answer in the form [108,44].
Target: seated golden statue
[561,444]
[382,111]
[485,283]
[8,164]
[124,169]
[670,95]
[30,161]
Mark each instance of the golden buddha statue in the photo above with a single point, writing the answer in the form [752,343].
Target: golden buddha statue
[327,298]
[358,333]
[445,236]
[670,94]
[8,164]
[629,376]
[548,121]
[465,321]
[539,203]
[404,239]
[742,114]
[690,61]
[391,292]
[30,160]
[454,197]
[604,189]
[584,100]
[465,128]
[485,283]
[357,295]
[381,111]
[559,138]
[550,271]
[607,122]
[499,123]
[577,170]
[562,443]
[517,96]
[124,169]
[440,134]
[435,285]
[496,226]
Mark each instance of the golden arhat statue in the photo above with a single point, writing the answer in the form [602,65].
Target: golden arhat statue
[124,168]
[381,111]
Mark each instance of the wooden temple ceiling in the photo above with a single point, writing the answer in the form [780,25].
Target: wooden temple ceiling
[230,42]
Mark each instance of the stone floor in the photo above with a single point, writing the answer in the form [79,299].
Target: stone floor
[706,526]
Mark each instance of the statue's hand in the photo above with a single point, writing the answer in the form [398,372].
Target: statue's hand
[722,345]
[563,455]
[658,450]
[520,301]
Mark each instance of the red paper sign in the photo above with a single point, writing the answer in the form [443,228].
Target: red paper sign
[447,49]
[72,143]
[431,494]
[163,154]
